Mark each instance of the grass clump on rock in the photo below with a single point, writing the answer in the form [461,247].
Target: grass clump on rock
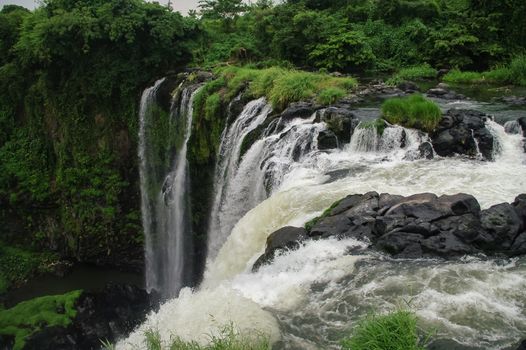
[31,316]
[414,111]
[394,331]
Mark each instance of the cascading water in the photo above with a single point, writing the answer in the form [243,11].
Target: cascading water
[253,115]
[309,298]
[164,195]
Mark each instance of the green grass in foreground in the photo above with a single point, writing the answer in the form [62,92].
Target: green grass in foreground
[280,86]
[413,111]
[30,316]
[514,73]
[229,339]
[394,331]
[424,71]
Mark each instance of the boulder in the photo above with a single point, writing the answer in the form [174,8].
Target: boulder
[522,345]
[341,121]
[443,92]
[522,123]
[285,238]
[299,110]
[408,87]
[327,140]
[463,132]
[418,226]
[425,150]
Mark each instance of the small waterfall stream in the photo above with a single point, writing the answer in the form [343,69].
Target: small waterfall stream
[164,205]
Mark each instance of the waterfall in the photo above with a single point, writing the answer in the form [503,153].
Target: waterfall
[164,194]
[310,296]
[245,183]
[252,116]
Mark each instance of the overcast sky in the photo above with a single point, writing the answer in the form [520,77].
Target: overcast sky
[179,5]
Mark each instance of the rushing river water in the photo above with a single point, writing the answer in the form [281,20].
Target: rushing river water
[311,298]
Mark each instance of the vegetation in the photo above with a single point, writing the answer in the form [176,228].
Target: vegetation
[379,124]
[30,316]
[71,73]
[18,265]
[514,73]
[228,339]
[396,331]
[414,111]
[424,71]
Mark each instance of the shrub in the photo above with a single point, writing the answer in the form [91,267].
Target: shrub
[30,316]
[456,76]
[513,73]
[396,331]
[414,111]
[518,70]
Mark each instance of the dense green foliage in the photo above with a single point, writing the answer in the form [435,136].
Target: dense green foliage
[228,339]
[424,71]
[414,111]
[351,35]
[30,316]
[71,74]
[394,331]
[18,265]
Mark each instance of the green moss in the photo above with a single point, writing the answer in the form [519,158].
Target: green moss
[30,316]
[396,331]
[212,106]
[413,111]
[310,224]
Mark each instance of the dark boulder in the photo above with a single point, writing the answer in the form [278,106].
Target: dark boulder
[463,132]
[502,223]
[56,338]
[425,150]
[522,345]
[299,110]
[341,121]
[6,342]
[285,238]
[408,87]
[420,226]
[443,92]
[522,123]
[327,140]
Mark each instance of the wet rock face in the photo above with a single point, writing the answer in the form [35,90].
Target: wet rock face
[105,315]
[423,225]
[463,132]
[285,238]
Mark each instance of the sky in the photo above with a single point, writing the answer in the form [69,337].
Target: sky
[179,5]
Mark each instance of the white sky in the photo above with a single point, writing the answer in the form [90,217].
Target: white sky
[179,5]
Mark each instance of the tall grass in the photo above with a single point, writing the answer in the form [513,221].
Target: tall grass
[514,73]
[424,71]
[282,86]
[414,111]
[228,339]
[394,331]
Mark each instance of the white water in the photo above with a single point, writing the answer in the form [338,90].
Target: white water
[253,115]
[165,215]
[312,296]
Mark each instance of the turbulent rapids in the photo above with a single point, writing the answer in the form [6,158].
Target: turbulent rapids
[310,297]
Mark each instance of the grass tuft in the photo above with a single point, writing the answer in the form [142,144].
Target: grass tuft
[229,339]
[413,111]
[394,331]
[514,73]
[421,72]
[310,224]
